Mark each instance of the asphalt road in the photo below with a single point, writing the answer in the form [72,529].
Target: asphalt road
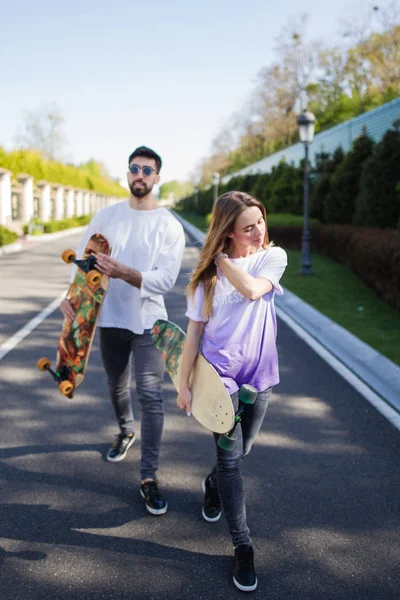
[322,481]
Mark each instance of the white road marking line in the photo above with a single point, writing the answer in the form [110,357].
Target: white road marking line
[383,407]
[15,339]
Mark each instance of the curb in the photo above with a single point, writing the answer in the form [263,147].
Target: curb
[36,239]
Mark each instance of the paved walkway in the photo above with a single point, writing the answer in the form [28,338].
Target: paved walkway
[322,480]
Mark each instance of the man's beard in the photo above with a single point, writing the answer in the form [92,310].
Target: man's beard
[140,192]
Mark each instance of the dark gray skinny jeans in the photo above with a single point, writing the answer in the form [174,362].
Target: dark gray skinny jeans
[117,346]
[227,473]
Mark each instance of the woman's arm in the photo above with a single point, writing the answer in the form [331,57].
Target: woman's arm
[190,351]
[250,287]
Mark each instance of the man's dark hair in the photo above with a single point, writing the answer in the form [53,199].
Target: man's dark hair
[148,153]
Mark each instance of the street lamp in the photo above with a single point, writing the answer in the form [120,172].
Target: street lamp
[215,179]
[306,123]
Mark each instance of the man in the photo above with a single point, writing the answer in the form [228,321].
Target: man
[147,246]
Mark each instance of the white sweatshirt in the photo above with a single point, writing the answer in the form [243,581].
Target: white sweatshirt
[150,241]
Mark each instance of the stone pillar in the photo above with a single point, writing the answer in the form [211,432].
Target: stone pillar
[69,202]
[26,182]
[86,203]
[5,198]
[44,188]
[58,195]
[92,203]
[78,203]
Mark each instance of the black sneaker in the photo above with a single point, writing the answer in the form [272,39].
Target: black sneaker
[244,576]
[155,501]
[211,510]
[120,447]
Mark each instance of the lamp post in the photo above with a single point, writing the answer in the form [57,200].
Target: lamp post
[215,180]
[196,197]
[306,123]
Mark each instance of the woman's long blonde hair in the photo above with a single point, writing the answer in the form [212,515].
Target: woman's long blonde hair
[225,212]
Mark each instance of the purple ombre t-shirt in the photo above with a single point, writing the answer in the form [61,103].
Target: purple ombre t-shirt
[239,339]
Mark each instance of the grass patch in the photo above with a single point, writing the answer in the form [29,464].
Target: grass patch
[339,294]
[274,220]
[284,220]
[197,220]
[335,291]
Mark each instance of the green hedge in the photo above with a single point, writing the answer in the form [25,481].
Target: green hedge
[53,226]
[7,236]
[373,254]
[86,176]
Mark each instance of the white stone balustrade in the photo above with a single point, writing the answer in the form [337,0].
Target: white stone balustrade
[27,209]
[58,199]
[78,203]
[69,202]
[52,200]
[86,203]
[5,198]
[92,203]
[44,188]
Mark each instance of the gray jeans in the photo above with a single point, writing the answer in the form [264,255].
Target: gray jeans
[117,346]
[227,474]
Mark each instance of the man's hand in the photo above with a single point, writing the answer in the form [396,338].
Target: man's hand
[111,267]
[67,310]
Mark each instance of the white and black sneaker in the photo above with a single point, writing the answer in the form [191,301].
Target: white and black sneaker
[211,509]
[244,576]
[155,501]
[120,447]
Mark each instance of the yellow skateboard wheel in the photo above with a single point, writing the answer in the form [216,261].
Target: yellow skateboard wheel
[93,278]
[43,363]
[66,387]
[68,256]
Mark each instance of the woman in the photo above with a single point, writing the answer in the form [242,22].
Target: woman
[231,311]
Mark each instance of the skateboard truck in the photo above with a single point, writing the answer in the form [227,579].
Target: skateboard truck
[61,377]
[247,395]
[87,265]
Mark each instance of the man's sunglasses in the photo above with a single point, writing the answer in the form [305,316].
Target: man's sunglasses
[135,170]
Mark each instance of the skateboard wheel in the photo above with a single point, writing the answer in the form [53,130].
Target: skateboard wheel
[247,394]
[93,278]
[43,363]
[66,387]
[68,256]
[226,442]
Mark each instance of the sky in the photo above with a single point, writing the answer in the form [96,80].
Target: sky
[167,75]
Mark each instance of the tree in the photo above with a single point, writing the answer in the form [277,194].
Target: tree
[325,167]
[336,84]
[286,189]
[43,131]
[378,203]
[179,189]
[339,205]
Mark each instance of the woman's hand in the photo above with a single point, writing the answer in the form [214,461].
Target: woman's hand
[220,248]
[184,401]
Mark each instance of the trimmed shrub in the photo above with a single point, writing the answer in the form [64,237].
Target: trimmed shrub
[378,203]
[325,167]
[87,176]
[373,254]
[7,236]
[286,191]
[53,226]
[339,205]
